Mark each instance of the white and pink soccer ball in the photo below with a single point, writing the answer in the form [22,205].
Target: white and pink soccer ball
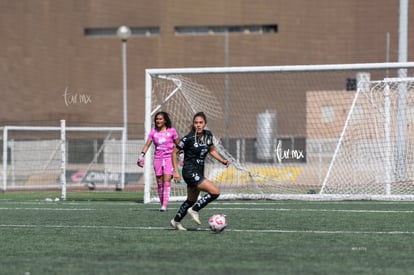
[217,223]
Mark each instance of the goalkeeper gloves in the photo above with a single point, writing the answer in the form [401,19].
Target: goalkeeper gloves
[140,161]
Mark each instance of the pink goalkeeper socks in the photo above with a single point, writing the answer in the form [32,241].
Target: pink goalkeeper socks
[166,193]
[160,192]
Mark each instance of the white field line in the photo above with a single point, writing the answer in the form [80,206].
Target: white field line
[313,210]
[223,208]
[42,202]
[325,232]
[219,202]
[311,202]
[200,229]
[48,209]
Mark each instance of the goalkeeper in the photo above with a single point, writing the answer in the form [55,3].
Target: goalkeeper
[164,137]
[196,145]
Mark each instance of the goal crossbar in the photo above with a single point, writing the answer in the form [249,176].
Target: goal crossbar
[280,69]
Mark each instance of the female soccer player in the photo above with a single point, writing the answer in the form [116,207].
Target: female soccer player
[164,137]
[196,145]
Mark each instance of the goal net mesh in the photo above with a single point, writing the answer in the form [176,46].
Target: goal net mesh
[375,153]
[281,130]
[32,159]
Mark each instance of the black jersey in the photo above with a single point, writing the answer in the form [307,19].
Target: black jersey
[195,151]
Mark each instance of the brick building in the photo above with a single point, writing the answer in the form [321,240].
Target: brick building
[62,60]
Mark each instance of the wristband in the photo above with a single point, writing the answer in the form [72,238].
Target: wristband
[142,154]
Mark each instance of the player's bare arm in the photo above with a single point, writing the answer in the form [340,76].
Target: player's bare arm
[177,176]
[217,156]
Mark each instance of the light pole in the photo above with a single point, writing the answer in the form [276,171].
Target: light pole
[124,33]
[401,159]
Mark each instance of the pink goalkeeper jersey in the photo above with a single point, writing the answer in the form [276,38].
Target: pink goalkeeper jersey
[163,141]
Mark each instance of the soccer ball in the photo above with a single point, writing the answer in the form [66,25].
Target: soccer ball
[217,223]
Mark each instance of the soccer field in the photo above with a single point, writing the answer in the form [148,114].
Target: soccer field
[117,234]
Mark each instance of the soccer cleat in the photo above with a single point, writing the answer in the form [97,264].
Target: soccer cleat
[177,225]
[163,209]
[194,215]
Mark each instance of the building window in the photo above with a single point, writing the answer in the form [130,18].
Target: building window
[212,30]
[110,32]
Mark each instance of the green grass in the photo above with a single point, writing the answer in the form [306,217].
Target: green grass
[115,233]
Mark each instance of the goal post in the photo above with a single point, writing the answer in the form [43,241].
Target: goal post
[67,158]
[284,128]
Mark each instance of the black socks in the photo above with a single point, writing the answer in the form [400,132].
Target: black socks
[183,210]
[200,204]
[204,200]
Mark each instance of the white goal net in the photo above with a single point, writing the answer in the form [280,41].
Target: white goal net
[375,152]
[67,158]
[287,129]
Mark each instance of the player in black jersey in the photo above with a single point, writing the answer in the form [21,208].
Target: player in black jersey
[196,145]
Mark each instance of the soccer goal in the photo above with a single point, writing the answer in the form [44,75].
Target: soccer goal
[375,151]
[66,158]
[294,132]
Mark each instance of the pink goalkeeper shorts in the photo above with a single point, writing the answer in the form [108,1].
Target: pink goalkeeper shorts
[163,167]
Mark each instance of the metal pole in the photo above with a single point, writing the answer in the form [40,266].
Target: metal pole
[401,157]
[387,133]
[147,168]
[125,130]
[387,54]
[124,70]
[226,96]
[63,158]
[5,141]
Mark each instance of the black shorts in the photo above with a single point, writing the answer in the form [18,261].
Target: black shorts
[193,179]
